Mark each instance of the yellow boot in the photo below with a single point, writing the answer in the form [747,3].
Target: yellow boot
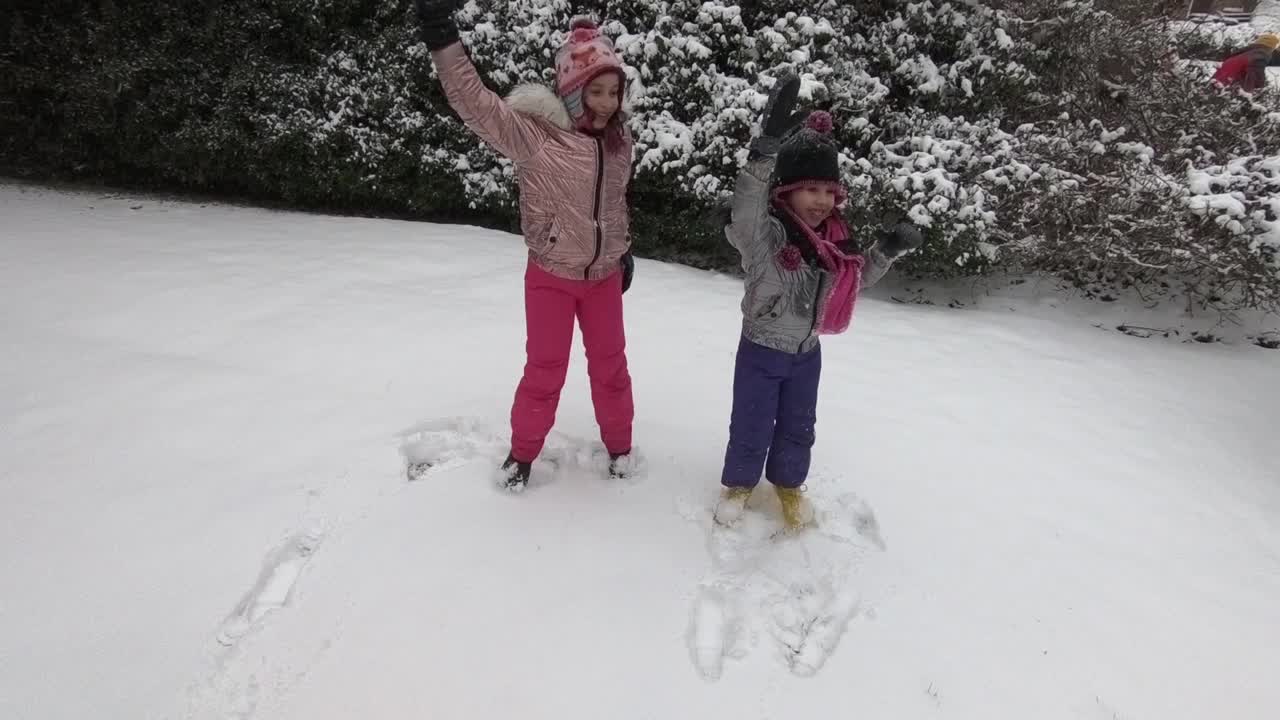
[733,503]
[797,511]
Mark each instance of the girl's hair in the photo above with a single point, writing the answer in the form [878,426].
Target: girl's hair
[612,133]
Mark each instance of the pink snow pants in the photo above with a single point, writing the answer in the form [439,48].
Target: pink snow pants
[550,304]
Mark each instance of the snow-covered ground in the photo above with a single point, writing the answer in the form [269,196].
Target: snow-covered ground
[1266,16]
[203,417]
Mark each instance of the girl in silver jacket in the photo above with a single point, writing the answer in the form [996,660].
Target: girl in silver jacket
[803,277]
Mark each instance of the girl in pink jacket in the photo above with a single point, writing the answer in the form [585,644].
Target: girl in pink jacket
[572,153]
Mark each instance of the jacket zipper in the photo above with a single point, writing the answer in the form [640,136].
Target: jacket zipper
[595,210]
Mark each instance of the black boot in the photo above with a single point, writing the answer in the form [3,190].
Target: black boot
[620,466]
[515,474]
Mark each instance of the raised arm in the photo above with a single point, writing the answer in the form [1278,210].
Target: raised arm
[751,227]
[514,135]
[750,224]
[876,265]
[893,243]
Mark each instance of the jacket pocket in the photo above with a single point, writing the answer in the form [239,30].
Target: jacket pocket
[768,309]
[546,245]
[556,242]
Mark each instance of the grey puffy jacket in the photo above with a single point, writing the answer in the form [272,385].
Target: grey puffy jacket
[779,310]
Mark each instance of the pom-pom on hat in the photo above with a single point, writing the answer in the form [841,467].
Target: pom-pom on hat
[820,122]
[1270,40]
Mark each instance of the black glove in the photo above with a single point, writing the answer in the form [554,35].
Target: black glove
[435,23]
[628,270]
[779,116]
[901,238]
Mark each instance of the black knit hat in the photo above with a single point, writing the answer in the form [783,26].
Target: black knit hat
[808,154]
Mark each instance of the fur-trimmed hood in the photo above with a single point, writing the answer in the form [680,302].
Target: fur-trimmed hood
[542,102]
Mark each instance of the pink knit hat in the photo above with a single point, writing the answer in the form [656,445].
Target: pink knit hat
[585,54]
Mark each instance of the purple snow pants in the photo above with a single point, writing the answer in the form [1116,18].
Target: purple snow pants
[775,399]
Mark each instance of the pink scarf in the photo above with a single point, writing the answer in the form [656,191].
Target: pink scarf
[835,308]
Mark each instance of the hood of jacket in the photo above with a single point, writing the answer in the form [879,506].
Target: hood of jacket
[541,102]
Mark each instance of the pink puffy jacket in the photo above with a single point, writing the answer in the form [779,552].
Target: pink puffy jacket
[573,207]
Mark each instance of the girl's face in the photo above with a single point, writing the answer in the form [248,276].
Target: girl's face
[812,203]
[603,96]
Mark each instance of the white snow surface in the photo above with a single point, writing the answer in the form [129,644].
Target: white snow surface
[206,410]
[1266,16]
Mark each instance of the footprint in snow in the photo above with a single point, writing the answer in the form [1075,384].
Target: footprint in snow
[808,622]
[274,587]
[798,589]
[445,444]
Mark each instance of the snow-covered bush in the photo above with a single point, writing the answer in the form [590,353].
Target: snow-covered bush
[1131,134]
[1030,135]
[900,79]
